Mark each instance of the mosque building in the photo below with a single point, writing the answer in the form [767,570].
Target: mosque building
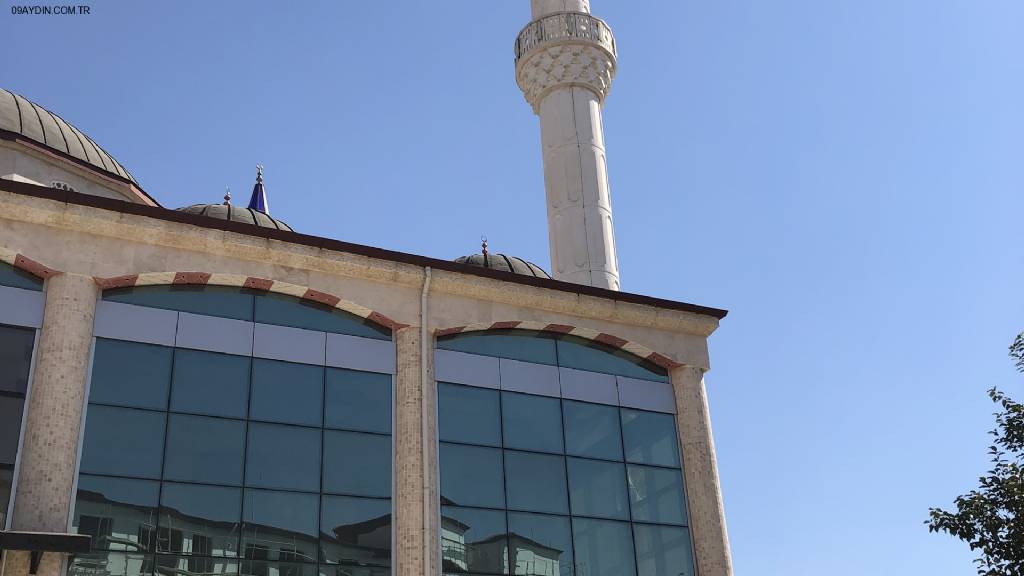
[205,391]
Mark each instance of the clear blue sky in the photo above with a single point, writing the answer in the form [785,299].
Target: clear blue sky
[846,177]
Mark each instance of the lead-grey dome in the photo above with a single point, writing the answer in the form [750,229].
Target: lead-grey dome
[20,116]
[236,214]
[504,263]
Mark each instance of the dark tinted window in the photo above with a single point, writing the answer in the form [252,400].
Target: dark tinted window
[11,276]
[201,520]
[204,449]
[357,464]
[468,414]
[650,438]
[358,401]
[130,374]
[287,311]
[11,408]
[15,358]
[280,526]
[662,551]
[123,442]
[536,482]
[355,531]
[656,495]
[6,478]
[531,422]
[210,383]
[471,476]
[598,489]
[523,345]
[540,545]
[110,564]
[603,547]
[473,541]
[285,457]
[287,392]
[223,301]
[119,514]
[592,430]
[582,354]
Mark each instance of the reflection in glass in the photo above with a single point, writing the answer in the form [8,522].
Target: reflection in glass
[130,374]
[222,301]
[280,526]
[6,477]
[355,531]
[357,464]
[123,441]
[119,514]
[336,570]
[15,358]
[473,541]
[531,422]
[265,568]
[536,482]
[656,495]
[203,449]
[592,430]
[540,545]
[525,345]
[358,401]
[15,278]
[287,311]
[286,392]
[583,354]
[110,564]
[663,551]
[468,414]
[185,565]
[210,383]
[650,438]
[603,547]
[471,476]
[286,457]
[11,409]
[199,520]
[598,489]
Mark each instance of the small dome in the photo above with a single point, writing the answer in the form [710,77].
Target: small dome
[25,118]
[504,263]
[236,214]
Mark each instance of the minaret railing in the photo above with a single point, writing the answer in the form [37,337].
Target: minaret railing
[564,26]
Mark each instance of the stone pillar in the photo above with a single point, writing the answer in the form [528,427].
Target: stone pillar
[700,468]
[50,450]
[414,546]
[565,62]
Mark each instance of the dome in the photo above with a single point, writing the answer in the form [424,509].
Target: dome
[504,263]
[27,119]
[236,214]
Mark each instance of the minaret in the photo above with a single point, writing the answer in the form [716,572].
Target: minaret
[565,62]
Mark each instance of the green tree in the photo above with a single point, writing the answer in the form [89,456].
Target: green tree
[991,518]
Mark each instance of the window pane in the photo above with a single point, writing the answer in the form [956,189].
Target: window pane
[6,477]
[15,358]
[532,422]
[598,489]
[119,514]
[11,409]
[110,564]
[223,301]
[263,568]
[194,565]
[592,430]
[357,464]
[287,311]
[202,449]
[210,383]
[468,414]
[582,354]
[358,400]
[526,345]
[663,551]
[536,482]
[280,526]
[471,476]
[603,548]
[355,530]
[287,392]
[540,545]
[130,374]
[650,438]
[286,457]
[473,541]
[123,441]
[334,570]
[200,520]
[656,495]
[11,276]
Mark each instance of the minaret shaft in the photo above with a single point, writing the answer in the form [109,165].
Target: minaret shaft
[565,64]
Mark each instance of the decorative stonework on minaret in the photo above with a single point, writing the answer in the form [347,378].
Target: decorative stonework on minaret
[565,62]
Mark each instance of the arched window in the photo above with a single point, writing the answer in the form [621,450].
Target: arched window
[235,431]
[559,456]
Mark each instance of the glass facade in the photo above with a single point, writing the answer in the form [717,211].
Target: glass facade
[542,486]
[203,462]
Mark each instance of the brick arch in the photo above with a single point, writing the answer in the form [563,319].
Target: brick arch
[633,348]
[26,264]
[249,282]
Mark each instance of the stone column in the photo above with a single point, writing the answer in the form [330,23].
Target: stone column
[50,450]
[700,468]
[414,546]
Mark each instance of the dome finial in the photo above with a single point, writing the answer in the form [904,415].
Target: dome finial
[483,245]
[227,196]
[258,202]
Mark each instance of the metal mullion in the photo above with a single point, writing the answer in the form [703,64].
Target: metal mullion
[163,455]
[629,499]
[504,476]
